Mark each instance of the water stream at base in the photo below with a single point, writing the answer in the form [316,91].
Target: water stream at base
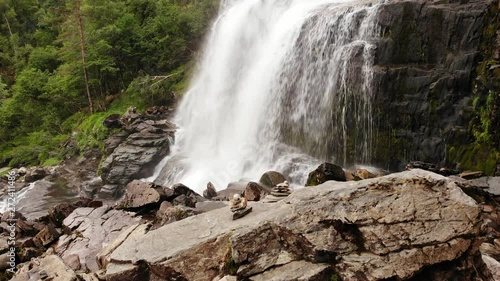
[283,85]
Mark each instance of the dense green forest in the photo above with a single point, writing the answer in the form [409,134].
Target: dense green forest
[67,64]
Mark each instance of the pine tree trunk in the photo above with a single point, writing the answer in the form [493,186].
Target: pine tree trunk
[82,47]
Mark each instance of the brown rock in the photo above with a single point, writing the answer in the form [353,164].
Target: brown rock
[46,236]
[139,194]
[210,192]
[254,192]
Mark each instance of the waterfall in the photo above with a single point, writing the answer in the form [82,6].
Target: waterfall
[283,84]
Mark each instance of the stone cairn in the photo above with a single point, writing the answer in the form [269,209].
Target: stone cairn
[281,190]
[238,206]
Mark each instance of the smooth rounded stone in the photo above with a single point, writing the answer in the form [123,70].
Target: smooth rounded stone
[325,172]
[254,192]
[164,206]
[210,192]
[139,194]
[271,179]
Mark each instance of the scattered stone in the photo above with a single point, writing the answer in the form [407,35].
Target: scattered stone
[46,236]
[254,192]
[325,172]
[139,194]
[271,178]
[210,192]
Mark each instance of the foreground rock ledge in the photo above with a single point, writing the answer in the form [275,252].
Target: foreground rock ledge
[413,224]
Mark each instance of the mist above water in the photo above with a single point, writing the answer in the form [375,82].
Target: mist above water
[283,85]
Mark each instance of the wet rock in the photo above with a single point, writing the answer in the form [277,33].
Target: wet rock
[50,267]
[35,174]
[271,178]
[325,172]
[210,192]
[254,192]
[139,194]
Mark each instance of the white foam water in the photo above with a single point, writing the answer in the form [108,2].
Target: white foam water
[283,85]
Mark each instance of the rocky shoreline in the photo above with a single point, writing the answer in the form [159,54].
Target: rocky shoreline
[414,225]
[438,224]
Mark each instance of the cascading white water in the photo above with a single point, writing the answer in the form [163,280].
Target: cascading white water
[284,84]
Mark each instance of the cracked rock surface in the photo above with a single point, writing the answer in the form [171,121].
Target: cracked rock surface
[414,224]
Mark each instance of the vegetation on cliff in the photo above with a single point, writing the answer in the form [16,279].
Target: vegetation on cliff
[66,65]
[481,151]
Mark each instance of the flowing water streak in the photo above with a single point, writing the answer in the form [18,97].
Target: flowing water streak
[280,81]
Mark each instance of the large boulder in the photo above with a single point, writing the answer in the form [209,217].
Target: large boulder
[325,172]
[401,226]
[139,194]
[92,229]
[271,178]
